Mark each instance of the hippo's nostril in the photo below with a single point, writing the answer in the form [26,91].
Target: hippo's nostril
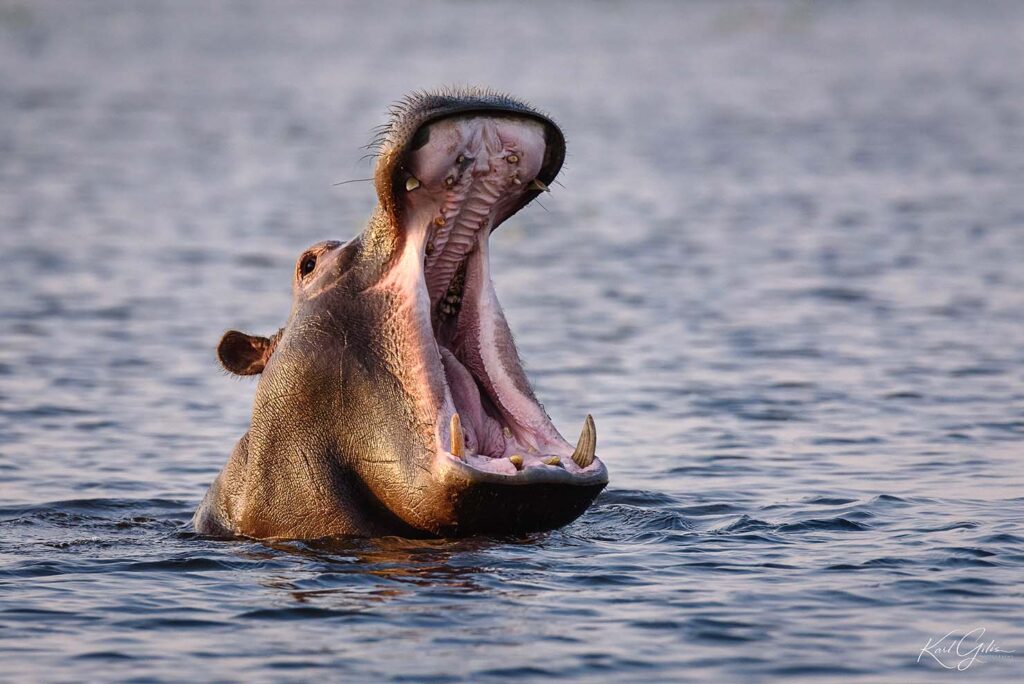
[421,138]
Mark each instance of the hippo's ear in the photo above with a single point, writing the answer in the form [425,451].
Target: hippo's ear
[243,354]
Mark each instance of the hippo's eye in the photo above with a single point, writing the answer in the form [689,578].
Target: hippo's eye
[307,265]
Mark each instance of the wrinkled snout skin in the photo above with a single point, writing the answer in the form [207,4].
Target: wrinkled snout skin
[343,439]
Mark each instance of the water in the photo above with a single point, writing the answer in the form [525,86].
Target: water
[785,273]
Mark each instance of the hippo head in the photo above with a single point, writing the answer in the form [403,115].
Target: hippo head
[393,401]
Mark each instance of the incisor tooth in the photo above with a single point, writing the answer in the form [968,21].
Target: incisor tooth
[585,448]
[411,183]
[517,461]
[553,461]
[458,443]
[537,185]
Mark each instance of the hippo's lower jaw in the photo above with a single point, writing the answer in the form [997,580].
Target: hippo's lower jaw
[468,173]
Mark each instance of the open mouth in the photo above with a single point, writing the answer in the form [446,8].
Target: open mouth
[463,176]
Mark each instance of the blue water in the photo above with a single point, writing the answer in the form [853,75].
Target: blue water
[784,271]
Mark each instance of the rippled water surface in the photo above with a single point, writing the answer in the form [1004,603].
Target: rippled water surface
[784,271]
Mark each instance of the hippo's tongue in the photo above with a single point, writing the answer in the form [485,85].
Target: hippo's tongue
[467,175]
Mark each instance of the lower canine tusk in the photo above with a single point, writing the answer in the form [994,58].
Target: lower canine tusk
[458,443]
[585,448]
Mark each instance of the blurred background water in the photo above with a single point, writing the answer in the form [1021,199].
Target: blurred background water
[784,270]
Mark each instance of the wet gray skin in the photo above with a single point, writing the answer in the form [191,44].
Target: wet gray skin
[393,401]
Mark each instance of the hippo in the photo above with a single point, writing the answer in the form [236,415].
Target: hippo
[393,401]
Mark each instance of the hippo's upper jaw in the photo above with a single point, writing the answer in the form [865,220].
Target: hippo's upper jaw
[394,401]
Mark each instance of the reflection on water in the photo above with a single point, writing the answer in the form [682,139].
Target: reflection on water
[421,563]
[782,270]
